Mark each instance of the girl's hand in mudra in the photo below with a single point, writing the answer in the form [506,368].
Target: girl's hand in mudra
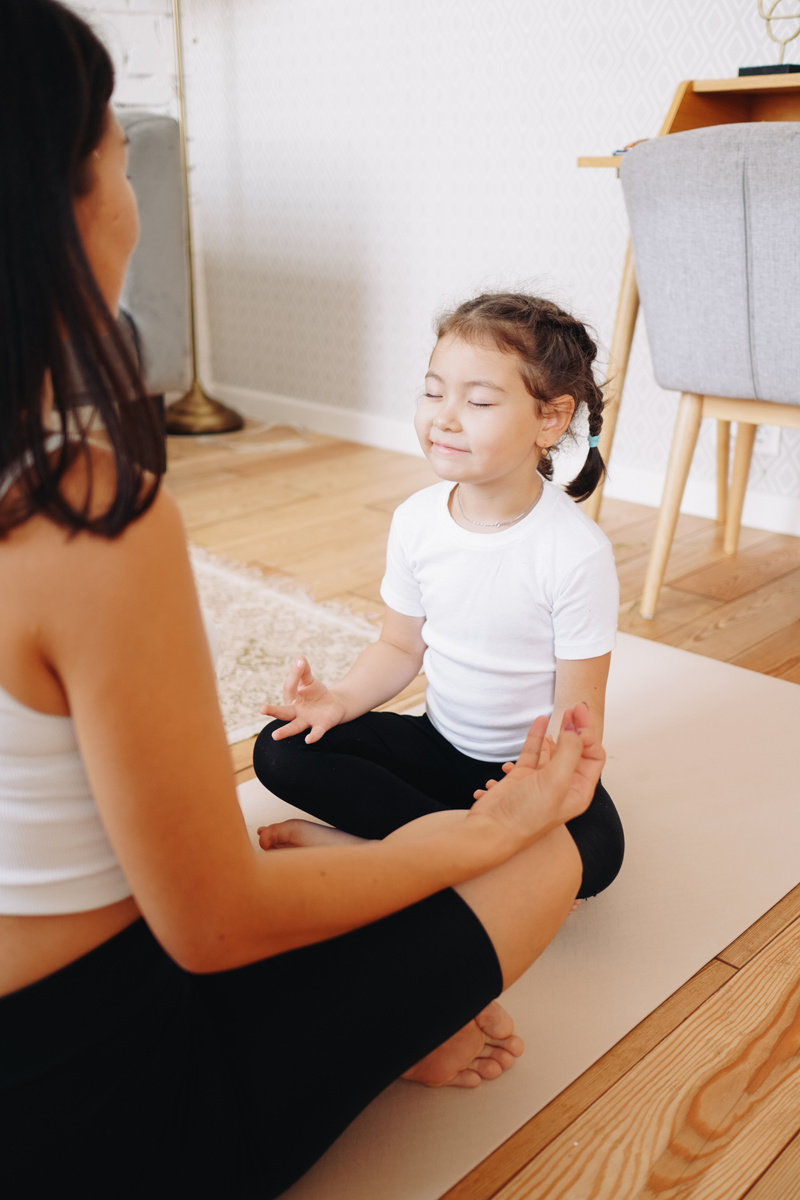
[550,783]
[307,704]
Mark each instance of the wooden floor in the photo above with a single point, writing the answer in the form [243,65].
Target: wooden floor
[318,510]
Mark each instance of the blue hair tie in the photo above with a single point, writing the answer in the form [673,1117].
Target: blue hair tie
[594,441]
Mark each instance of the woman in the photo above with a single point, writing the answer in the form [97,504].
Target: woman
[179,1015]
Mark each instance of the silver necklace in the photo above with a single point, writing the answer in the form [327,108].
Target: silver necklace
[497,524]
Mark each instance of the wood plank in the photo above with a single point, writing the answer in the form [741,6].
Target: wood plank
[763,931]
[778,655]
[558,1115]
[704,1114]
[616,514]
[242,753]
[675,609]
[688,553]
[780,1181]
[302,530]
[235,496]
[737,574]
[344,568]
[729,631]
[632,541]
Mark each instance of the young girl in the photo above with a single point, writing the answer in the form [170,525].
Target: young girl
[496,583]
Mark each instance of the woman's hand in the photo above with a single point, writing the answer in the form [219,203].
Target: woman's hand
[550,783]
[307,704]
[545,754]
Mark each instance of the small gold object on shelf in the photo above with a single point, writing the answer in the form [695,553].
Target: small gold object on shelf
[769,15]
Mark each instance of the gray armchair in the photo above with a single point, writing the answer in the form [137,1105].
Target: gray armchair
[715,227]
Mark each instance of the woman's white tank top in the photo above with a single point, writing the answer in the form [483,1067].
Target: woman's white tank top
[55,856]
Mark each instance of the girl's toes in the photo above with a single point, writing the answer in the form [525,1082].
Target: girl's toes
[487,1068]
[466,1079]
[495,1022]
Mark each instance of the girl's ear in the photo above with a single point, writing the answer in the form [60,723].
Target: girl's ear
[558,414]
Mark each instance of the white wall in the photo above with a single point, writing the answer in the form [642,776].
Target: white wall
[360,164]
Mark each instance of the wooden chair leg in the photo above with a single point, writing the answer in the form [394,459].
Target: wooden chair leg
[742,454]
[723,468]
[619,354]
[684,440]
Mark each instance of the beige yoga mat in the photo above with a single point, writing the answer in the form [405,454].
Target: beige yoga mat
[703,766]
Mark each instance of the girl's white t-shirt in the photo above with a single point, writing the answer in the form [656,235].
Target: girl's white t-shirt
[499,610]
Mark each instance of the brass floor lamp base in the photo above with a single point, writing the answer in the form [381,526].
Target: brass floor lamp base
[198,413]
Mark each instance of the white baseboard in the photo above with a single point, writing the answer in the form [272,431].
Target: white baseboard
[386,433]
[778,514]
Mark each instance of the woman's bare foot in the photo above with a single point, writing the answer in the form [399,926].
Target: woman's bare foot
[294,833]
[483,1049]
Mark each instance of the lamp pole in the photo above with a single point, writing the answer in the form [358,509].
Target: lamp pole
[195,412]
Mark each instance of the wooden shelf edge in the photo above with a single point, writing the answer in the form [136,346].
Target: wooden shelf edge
[749,83]
[603,160]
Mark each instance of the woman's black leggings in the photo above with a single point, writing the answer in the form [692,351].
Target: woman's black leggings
[123,1076]
[374,774]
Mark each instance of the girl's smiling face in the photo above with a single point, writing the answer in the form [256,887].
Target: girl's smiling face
[477,423]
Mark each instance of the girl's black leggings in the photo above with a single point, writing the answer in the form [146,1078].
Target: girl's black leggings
[382,770]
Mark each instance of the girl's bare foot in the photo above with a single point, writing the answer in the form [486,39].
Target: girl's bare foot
[296,833]
[483,1049]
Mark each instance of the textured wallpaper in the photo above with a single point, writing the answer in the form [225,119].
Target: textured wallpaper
[359,164]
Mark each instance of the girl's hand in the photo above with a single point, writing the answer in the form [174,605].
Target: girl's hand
[538,794]
[307,704]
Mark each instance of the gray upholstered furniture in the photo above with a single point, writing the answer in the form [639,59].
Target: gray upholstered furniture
[715,227]
[156,292]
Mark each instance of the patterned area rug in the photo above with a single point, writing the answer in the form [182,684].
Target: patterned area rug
[260,626]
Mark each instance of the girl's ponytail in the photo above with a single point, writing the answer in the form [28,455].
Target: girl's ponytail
[592,472]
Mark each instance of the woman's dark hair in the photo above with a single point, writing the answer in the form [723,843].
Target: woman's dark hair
[556,355]
[56,80]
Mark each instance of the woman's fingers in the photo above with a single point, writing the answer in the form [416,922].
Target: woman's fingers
[529,755]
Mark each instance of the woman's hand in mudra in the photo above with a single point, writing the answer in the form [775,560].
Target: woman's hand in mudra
[550,783]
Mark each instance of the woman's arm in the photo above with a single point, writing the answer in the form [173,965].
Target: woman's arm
[121,631]
[576,680]
[379,672]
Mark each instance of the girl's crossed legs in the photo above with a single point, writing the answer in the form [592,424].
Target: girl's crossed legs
[372,775]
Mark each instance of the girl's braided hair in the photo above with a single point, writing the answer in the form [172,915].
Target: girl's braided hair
[556,354]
